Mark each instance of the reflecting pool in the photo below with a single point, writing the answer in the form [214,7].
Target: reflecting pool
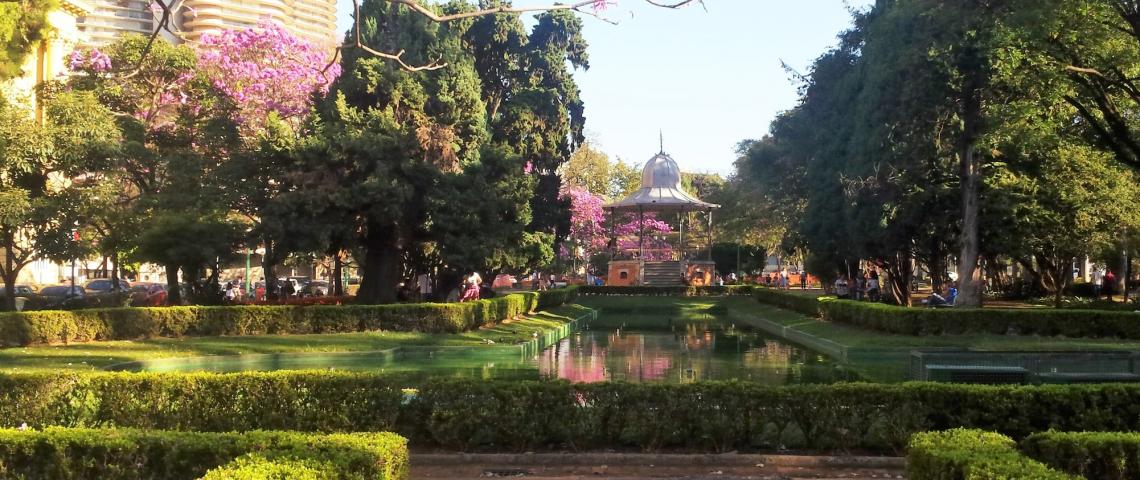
[653,350]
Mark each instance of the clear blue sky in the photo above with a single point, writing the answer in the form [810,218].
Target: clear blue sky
[708,80]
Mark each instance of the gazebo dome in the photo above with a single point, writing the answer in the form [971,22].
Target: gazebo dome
[661,171]
[661,190]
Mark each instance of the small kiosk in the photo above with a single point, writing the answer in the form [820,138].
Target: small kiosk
[661,195]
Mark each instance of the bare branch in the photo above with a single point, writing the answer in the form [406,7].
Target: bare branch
[584,7]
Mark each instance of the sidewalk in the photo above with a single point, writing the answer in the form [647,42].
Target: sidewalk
[631,466]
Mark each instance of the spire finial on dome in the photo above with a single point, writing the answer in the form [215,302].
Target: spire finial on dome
[661,134]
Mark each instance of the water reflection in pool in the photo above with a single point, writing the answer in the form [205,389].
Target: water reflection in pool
[694,352]
[686,352]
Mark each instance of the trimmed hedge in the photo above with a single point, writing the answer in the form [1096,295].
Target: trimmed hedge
[1097,455]
[962,454]
[962,321]
[62,453]
[789,301]
[520,416]
[47,327]
[682,291]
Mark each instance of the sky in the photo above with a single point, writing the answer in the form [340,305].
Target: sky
[705,80]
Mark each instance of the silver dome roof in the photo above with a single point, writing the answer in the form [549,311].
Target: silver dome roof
[661,171]
[661,190]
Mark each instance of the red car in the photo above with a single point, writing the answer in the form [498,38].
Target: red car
[148,295]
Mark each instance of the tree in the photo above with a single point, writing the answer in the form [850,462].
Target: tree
[427,163]
[1092,47]
[177,130]
[23,25]
[590,170]
[166,10]
[42,170]
[272,78]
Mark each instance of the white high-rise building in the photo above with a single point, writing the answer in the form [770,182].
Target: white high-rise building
[313,20]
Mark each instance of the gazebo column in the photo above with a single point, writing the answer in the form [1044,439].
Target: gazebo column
[681,256]
[640,233]
[710,234]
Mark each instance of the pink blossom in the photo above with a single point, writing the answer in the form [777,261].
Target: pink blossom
[266,70]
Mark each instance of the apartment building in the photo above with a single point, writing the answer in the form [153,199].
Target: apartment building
[313,20]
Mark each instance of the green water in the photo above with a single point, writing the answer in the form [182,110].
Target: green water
[655,349]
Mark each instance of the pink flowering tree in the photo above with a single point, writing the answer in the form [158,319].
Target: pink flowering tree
[266,71]
[588,229]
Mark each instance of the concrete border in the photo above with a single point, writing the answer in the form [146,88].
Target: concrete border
[656,459]
[788,332]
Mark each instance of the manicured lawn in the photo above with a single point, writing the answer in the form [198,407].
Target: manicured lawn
[883,357]
[96,355]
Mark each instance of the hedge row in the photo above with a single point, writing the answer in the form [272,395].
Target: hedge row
[788,301]
[46,327]
[1099,455]
[519,416]
[960,321]
[962,454]
[681,291]
[114,454]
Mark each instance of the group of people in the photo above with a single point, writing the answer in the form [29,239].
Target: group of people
[782,279]
[1106,283]
[861,286]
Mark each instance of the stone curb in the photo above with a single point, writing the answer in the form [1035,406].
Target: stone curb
[660,460]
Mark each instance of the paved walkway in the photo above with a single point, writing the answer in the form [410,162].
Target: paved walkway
[615,466]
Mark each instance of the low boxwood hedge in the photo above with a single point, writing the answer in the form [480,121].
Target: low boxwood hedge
[519,416]
[47,327]
[113,454]
[963,321]
[682,291]
[788,301]
[1099,455]
[962,454]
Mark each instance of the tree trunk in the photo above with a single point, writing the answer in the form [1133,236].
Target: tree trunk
[9,291]
[381,266]
[11,272]
[269,263]
[969,275]
[337,275]
[173,292]
[115,285]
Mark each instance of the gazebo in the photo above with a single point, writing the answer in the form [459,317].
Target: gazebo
[660,193]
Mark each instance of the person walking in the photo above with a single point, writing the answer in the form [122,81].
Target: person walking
[1109,284]
[803,280]
[872,286]
[423,281]
[471,288]
[841,288]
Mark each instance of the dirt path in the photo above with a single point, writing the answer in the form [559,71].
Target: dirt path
[614,466]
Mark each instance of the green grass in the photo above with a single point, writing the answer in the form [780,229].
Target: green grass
[97,355]
[883,356]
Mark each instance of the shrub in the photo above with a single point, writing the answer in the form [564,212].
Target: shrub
[962,454]
[61,453]
[797,303]
[518,416]
[46,327]
[682,291]
[961,321]
[256,467]
[1100,455]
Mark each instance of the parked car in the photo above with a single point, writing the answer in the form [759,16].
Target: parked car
[105,285]
[148,295]
[25,295]
[59,296]
[315,288]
